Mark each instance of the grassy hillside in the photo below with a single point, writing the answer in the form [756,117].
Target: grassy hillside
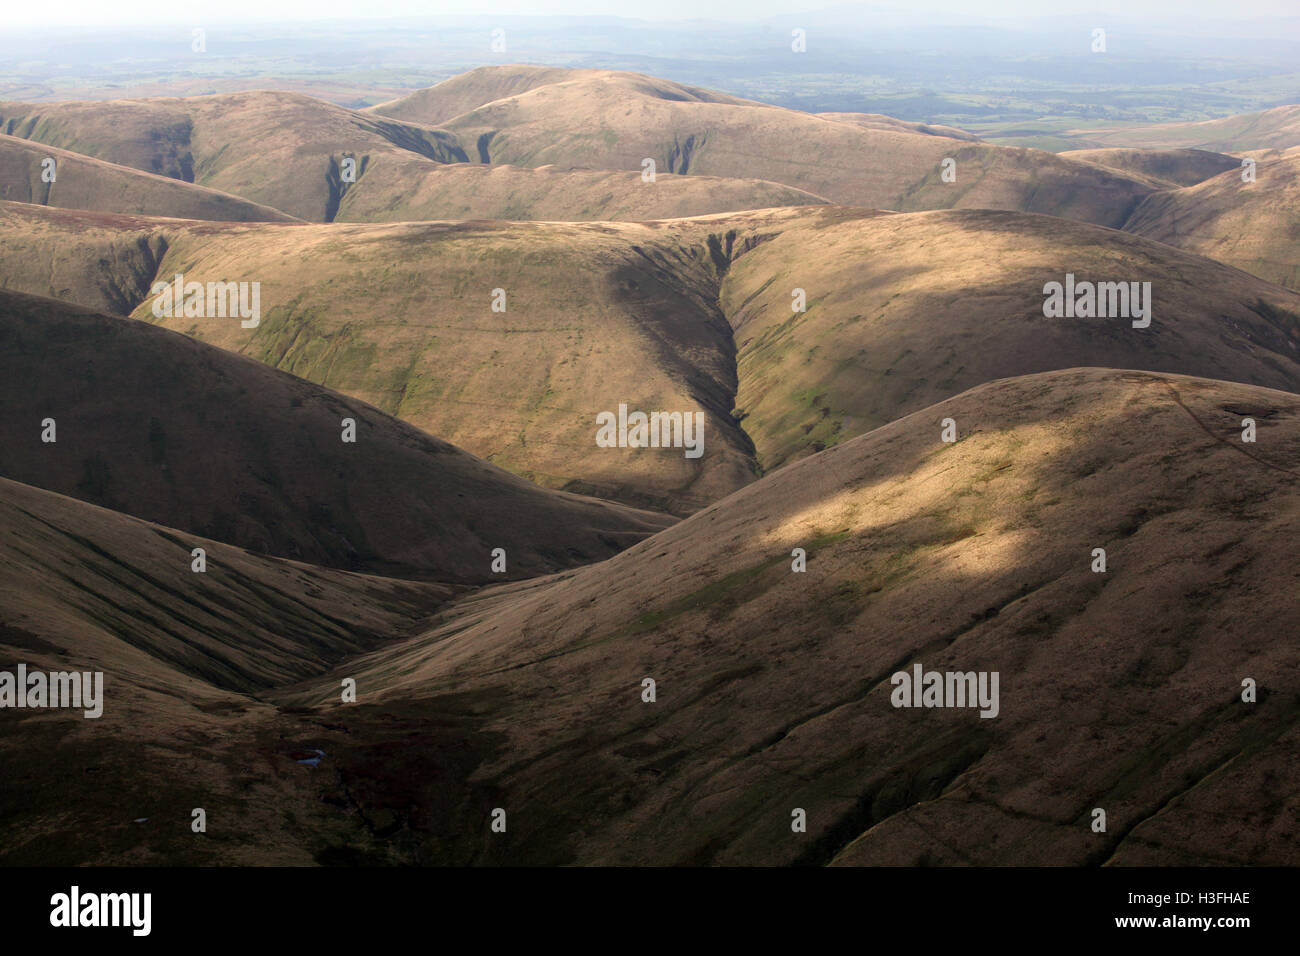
[468,91]
[1118,690]
[397,189]
[907,310]
[185,659]
[690,315]
[1166,168]
[84,183]
[1248,225]
[400,316]
[614,120]
[160,426]
[285,150]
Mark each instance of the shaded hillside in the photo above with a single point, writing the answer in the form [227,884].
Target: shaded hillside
[903,311]
[184,657]
[157,425]
[282,149]
[1250,225]
[81,182]
[687,315]
[1119,690]
[114,587]
[1165,167]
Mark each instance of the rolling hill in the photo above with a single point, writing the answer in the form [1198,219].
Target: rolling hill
[284,150]
[1165,168]
[402,172]
[1252,226]
[81,182]
[690,315]
[906,466]
[185,658]
[400,316]
[162,427]
[611,120]
[468,91]
[287,151]
[397,190]
[906,310]
[880,121]
[1119,690]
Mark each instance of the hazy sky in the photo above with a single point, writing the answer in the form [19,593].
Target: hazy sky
[124,12]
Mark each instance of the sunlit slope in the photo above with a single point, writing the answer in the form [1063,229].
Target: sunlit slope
[1118,690]
[104,261]
[880,121]
[32,173]
[291,151]
[285,150]
[468,91]
[401,315]
[688,315]
[399,189]
[614,120]
[160,426]
[1251,225]
[903,311]
[595,316]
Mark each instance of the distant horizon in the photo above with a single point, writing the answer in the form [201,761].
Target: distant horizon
[130,14]
[1027,78]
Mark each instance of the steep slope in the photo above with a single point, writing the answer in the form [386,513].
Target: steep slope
[1165,167]
[113,586]
[1250,225]
[905,310]
[401,315]
[612,120]
[81,182]
[282,149]
[184,657]
[1119,690]
[103,261]
[688,315]
[160,426]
